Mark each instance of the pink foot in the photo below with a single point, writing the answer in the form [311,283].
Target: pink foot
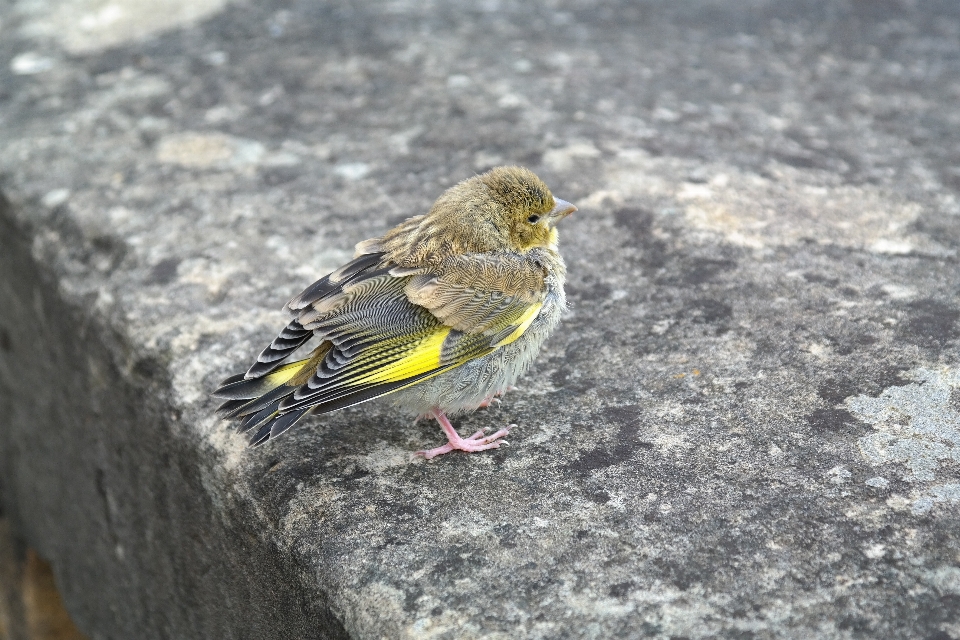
[477,442]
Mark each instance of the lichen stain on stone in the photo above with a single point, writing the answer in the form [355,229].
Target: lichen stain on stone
[363,616]
[565,158]
[203,150]
[382,457]
[915,425]
[787,207]
[308,505]
[85,26]
[945,579]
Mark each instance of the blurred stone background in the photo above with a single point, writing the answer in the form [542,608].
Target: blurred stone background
[747,427]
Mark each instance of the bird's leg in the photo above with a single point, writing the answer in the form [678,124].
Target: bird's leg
[494,398]
[477,442]
[489,400]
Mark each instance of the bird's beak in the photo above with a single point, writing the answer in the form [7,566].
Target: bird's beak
[561,210]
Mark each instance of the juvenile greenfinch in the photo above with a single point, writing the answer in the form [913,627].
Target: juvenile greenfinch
[442,313]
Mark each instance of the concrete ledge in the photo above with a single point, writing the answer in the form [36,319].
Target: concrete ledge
[141,521]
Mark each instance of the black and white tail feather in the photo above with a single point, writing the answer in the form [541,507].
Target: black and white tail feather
[255,398]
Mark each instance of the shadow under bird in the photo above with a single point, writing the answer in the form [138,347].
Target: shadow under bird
[442,314]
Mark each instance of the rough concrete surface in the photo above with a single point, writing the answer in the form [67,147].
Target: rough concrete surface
[747,427]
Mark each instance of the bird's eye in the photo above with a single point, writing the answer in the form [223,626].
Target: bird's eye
[533,219]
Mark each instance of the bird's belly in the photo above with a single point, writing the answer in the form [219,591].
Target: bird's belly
[466,387]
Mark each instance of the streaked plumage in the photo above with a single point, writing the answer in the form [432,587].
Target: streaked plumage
[443,312]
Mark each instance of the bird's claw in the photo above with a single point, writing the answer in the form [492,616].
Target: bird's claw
[479,441]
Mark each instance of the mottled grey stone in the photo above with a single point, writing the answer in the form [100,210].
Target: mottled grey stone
[747,426]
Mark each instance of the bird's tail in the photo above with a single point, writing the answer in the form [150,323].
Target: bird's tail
[255,402]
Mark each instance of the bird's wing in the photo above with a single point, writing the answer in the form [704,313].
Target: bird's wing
[494,294]
[391,328]
[381,330]
[380,342]
[294,335]
[361,267]
[374,341]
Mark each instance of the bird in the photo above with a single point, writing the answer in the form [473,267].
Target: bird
[440,316]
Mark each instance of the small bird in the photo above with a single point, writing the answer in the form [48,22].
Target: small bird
[442,313]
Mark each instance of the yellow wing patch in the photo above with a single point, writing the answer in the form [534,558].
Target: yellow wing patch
[525,321]
[283,374]
[423,357]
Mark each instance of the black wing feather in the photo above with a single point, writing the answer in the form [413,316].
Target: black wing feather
[334,282]
[276,426]
[290,339]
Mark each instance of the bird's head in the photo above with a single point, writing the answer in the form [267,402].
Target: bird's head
[527,210]
[504,209]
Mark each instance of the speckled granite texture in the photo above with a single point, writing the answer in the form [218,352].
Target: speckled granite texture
[747,427]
